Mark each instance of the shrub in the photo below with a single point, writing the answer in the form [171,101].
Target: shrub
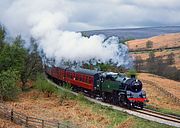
[64,95]
[8,88]
[42,85]
[67,86]
[131,72]
[149,44]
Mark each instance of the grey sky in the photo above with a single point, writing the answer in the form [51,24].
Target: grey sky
[101,14]
[127,13]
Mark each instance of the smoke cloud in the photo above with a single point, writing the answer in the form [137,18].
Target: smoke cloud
[48,22]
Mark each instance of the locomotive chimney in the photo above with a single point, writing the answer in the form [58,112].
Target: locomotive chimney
[133,76]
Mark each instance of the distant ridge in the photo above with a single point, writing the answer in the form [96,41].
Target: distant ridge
[135,33]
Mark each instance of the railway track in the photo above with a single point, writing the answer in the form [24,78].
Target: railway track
[145,113]
[159,115]
[170,116]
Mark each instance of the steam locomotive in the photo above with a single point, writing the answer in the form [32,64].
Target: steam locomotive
[111,87]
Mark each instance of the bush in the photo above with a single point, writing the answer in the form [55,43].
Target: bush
[64,95]
[42,85]
[67,86]
[149,44]
[131,72]
[8,88]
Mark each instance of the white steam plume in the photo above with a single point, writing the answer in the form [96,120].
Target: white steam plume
[47,21]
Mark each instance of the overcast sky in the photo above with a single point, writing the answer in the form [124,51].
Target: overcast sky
[102,14]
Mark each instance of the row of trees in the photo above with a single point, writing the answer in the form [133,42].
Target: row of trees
[17,65]
[158,65]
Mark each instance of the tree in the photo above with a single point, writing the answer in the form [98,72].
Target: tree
[32,65]
[149,44]
[170,59]
[151,62]
[8,88]
[12,56]
[159,66]
[138,63]
[2,35]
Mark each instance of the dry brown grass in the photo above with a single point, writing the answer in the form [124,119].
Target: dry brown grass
[37,105]
[158,98]
[8,124]
[166,40]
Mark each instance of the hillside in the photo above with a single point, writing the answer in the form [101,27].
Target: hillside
[158,42]
[134,33]
[161,41]
[163,94]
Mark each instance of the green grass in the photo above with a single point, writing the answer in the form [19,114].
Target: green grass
[170,111]
[42,85]
[142,123]
[164,110]
[114,116]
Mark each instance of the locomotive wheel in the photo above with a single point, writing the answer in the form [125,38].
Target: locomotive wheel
[129,105]
[141,105]
[104,97]
[115,98]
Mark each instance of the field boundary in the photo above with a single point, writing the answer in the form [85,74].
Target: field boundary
[27,121]
[144,50]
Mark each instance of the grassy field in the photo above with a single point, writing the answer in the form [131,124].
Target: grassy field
[47,102]
[116,118]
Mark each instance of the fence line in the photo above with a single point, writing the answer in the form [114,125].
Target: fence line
[30,122]
[173,97]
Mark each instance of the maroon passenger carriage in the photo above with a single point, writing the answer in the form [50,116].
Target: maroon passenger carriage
[83,78]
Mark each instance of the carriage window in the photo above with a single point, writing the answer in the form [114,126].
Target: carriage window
[84,78]
[80,78]
[87,79]
[69,75]
[76,77]
[90,81]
